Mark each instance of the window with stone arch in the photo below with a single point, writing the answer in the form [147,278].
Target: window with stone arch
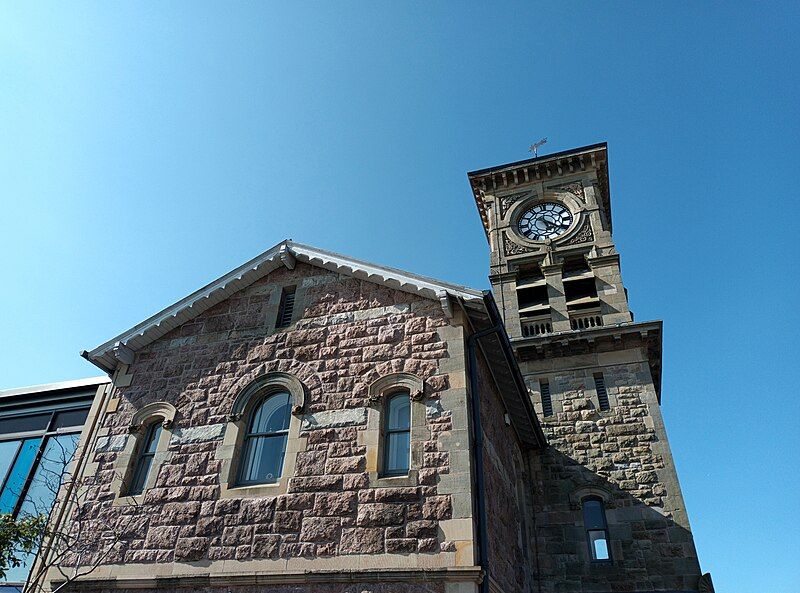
[397,435]
[145,450]
[261,438]
[398,399]
[264,444]
[596,526]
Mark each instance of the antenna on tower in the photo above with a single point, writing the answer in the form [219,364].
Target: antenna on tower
[534,148]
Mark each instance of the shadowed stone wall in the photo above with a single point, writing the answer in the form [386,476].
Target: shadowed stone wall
[502,462]
[621,455]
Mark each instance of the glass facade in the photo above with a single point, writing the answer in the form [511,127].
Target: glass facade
[35,450]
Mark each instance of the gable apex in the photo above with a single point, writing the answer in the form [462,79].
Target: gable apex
[286,253]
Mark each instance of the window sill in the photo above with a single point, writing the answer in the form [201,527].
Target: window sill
[392,481]
[254,490]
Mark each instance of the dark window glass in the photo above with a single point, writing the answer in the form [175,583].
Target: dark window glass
[547,402]
[594,521]
[265,441]
[398,435]
[286,308]
[71,418]
[15,481]
[144,459]
[27,423]
[602,393]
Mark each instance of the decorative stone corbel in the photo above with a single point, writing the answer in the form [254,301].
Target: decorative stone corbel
[416,395]
[234,417]
[122,353]
[447,307]
[134,428]
[167,423]
[298,410]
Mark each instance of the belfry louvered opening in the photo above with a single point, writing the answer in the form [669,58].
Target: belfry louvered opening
[286,308]
[547,402]
[602,393]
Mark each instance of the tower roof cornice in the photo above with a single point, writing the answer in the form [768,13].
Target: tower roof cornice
[538,169]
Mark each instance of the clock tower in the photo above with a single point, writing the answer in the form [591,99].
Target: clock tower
[608,513]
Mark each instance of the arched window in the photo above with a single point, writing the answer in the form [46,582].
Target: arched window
[265,440]
[397,435]
[594,521]
[144,458]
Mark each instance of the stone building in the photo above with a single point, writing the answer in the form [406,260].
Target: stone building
[311,422]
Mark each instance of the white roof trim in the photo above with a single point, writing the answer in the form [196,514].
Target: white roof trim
[61,385]
[282,254]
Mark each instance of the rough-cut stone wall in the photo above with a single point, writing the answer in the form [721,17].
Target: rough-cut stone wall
[384,587]
[623,454]
[351,332]
[502,464]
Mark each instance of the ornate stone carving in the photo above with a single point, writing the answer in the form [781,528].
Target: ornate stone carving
[575,188]
[584,234]
[510,247]
[507,201]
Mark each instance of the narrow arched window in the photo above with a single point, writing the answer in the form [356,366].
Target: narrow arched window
[265,441]
[594,521]
[397,435]
[144,458]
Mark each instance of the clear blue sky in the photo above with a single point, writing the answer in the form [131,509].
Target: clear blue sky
[147,148]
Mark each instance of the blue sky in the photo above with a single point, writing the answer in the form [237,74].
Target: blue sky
[148,148]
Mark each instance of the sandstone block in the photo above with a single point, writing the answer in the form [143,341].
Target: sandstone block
[191,548]
[319,529]
[335,504]
[357,540]
[374,514]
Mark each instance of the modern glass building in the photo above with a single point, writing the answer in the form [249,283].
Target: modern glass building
[40,427]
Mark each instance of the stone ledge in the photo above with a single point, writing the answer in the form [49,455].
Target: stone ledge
[471,574]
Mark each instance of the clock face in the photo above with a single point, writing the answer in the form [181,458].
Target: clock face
[543,221]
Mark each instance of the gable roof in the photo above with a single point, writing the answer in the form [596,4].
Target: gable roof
[286,253]
[479,307]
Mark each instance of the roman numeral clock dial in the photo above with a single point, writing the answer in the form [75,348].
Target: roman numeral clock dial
[545,221]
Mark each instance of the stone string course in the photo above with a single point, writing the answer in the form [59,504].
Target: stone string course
[351,333]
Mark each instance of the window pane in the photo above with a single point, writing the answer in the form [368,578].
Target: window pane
[272,414]
[58,452]
[24,423]
[8,450]
[397,456]
[399,413]
[71,418]
[263,459]
[15,482]
[153,433]
[140,474]
[19,574]
[599,545]
[593,515]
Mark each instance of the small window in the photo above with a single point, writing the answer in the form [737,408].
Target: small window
[144,459]
[397,435]
[265,441]
[286,308]
[594,521]
[602,394]
[547,402]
